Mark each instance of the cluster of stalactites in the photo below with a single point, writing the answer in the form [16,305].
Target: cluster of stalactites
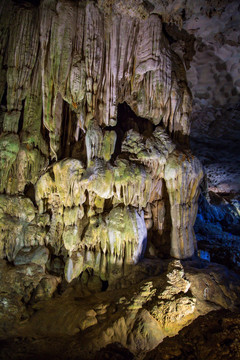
[69,55]
[126,181]
[91,64]
[65,52]
[115,239]
[100,208]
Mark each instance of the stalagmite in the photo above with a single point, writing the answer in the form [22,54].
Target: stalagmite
[183,173]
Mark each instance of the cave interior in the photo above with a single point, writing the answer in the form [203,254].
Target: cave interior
[119,179]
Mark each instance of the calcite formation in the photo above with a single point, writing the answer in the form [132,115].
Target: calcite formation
[95,110]
[98,186]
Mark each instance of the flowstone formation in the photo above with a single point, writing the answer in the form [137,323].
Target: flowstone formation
[98,187]
[102,179]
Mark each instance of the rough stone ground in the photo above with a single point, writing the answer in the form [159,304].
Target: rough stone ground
[213,336]
[138,316]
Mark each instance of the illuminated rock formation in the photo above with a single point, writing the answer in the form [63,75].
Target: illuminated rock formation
[69,65]
[98,186]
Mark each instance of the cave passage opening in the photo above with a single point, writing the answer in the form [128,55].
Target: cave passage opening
[128,120]
[72,138]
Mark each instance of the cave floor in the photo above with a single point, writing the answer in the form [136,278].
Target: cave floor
[148,312]
[212,336]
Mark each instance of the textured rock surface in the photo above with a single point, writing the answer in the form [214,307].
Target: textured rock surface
[214,139]
[19,287]
[96,172]
[215,336]
[93,105]
[217,229]
[214,79]
[138,317]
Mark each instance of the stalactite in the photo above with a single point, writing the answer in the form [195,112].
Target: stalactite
[97,96]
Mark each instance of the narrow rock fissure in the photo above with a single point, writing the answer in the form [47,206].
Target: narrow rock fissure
[21,118]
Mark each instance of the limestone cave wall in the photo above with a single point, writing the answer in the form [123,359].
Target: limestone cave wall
[94,122]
